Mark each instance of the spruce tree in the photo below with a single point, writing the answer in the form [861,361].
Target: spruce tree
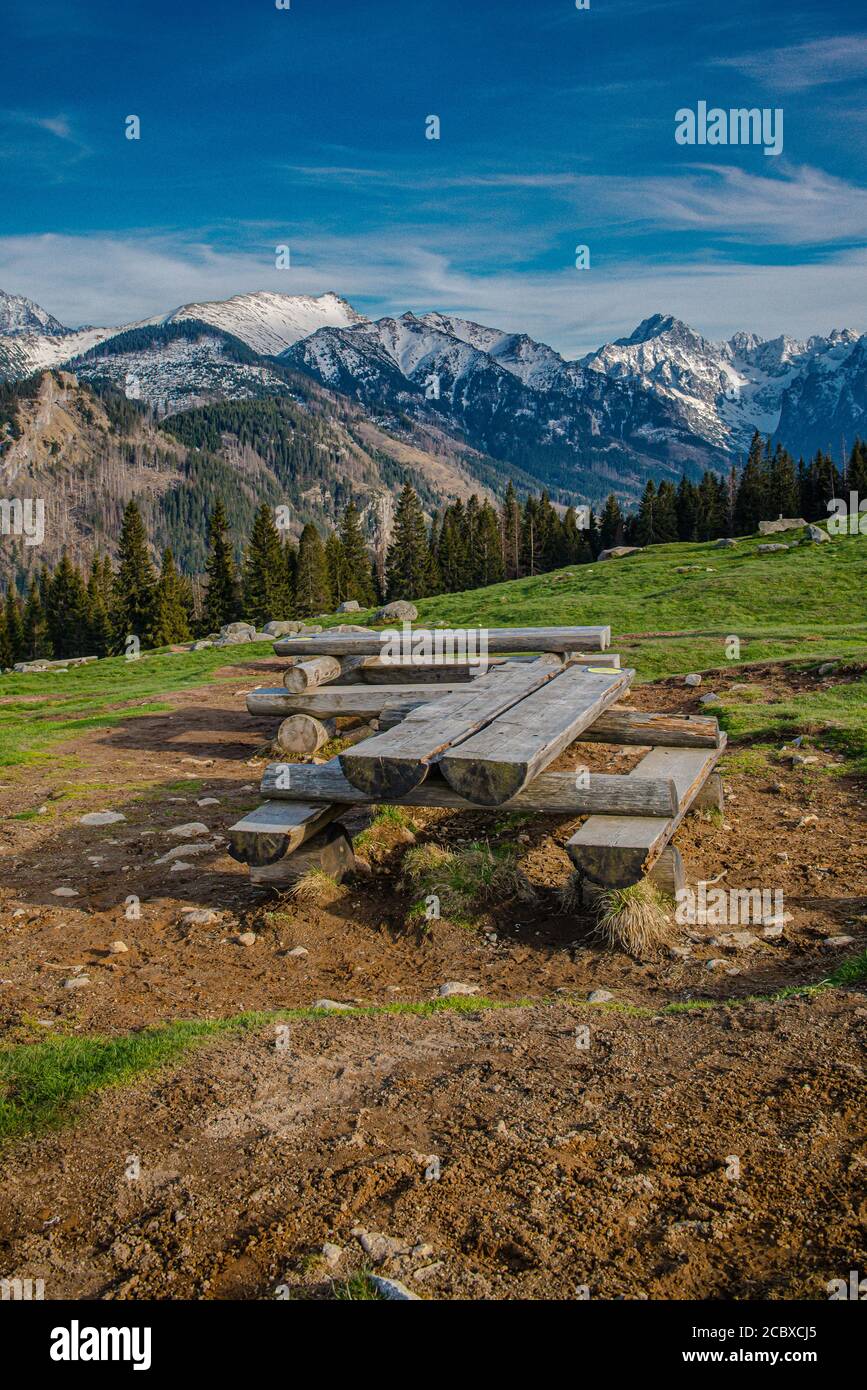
[489,545]
[407,561]
[359,584]
[222,600]
[512,526]
[750,500]
[666,513]
[170,615]
[6,654]
[687,507]
[37,643]
[645,524]
[611,523]
[135,581]
[100,633]
[311,582]
[266,586]
[15,623]
[67,611]
[335,568]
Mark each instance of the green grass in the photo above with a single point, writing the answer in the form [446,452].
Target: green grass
[36,711]
[356,1289]
[41,1082]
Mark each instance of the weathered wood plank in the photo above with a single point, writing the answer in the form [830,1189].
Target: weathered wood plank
[551,793]
[499,639]
[338,701]
[330,851]
[495,764]
[392,763]
[275,829]
[653,730]
[618,850]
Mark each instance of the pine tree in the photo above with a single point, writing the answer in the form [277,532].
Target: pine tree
[512,527]
[266,587]
[489,547]
[100,633]
[67,610]
[407,563]
[645,525]
[222,600]
[6,654]
[611,523]
[665,520]
[15,623]
[170,616]
[135,581]
[311,583]
[687,507]
[37,643]
[359,583]
[335,567]
[750,501]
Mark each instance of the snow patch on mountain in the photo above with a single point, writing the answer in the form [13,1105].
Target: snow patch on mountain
[269,322]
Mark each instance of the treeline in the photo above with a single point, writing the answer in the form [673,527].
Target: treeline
[467,545]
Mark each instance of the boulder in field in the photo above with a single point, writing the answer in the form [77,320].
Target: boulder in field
[815,533]
[350,606]
[400,611]
[617,552]
[725,543]
[770,549]
[782,523]
[283,627]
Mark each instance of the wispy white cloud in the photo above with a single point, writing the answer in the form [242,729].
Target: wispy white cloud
[111,279]
[804,65]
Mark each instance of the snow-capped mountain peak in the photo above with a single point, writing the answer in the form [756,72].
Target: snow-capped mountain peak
[18,314]
[268,321]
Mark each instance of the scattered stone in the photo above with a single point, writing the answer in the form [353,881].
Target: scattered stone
[208,801]
[282,628]
[709,699]
[101,818]
[179,866]
[64,892]
[400,611]
[600,996]
[452,987]
[198,917]
[805,821]
[815,533]
[826,668]
[201,645]
[330,1006]
[76,982]
[298,951]
[791,523]
[725,542]
[350,606]
[835,941]
[716,964]
[247,938]
[331,1254]
[692,679]
[736,940]
[770,549]
[803,760]
[118,948]
[204,847]
[617,552]
[189,830]
[379,1247]
[783,856]
[770,933]
[427,1271]
[393,1289]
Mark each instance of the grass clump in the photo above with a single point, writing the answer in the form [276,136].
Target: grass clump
[358,1288]
[314,888]
[466,880]
[634,919]
[390,826]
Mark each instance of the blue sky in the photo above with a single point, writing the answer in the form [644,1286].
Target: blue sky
[262,127]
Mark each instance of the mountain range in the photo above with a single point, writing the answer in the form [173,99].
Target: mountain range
[656,403]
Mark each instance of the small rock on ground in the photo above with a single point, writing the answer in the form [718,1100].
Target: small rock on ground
[330,1005]
[600,996]
[101,818]
[393,1289]
[456,987]
[189,831]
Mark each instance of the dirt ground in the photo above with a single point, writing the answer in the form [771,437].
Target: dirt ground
[611,1166]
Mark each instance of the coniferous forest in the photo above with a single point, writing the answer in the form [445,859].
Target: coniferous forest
[66,613]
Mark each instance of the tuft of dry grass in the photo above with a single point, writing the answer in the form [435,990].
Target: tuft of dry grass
[466,880]
[314,888]
[571,895]
[634,919]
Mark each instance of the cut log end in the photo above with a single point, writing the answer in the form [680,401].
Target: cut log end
[383,778]
[248,847]
[485,783]
[301,733]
